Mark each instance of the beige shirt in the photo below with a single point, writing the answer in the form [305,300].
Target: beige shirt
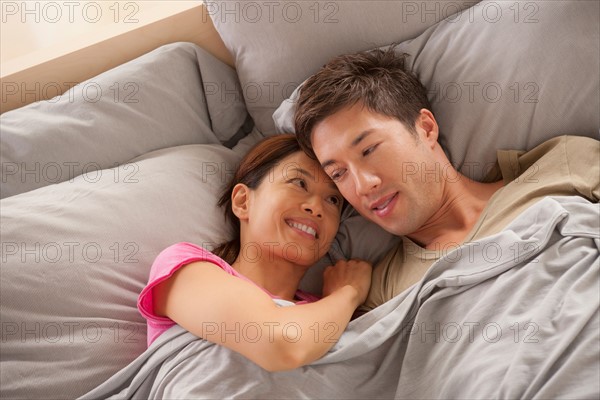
[563,166]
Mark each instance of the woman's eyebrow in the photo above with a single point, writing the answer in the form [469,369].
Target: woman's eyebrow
[302,171]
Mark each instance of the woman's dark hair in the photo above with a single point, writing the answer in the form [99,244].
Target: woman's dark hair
[252,170]
[378,79]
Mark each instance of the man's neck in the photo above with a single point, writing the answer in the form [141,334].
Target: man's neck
[463,204]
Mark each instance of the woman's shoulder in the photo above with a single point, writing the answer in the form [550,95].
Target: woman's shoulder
[183,253]
[185,247]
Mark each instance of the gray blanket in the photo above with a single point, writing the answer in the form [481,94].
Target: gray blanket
[514,315]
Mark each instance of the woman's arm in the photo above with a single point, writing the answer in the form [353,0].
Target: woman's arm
[226,310]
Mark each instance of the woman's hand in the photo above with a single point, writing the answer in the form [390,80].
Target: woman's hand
[354,273]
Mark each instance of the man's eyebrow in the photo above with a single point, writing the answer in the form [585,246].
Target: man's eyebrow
[354,143]
[360,137]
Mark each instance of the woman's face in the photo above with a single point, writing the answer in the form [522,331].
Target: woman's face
[294,213]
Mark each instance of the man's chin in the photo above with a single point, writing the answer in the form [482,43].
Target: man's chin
[388,224]
[371,217]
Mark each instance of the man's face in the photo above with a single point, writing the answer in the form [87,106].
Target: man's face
[390,176]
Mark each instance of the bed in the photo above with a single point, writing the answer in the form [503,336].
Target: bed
[97,181]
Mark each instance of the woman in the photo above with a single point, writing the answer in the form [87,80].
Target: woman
[285,211]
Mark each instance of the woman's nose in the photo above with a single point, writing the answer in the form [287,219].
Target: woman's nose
[314,206]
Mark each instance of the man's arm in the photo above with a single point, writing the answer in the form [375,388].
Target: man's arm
[583,158]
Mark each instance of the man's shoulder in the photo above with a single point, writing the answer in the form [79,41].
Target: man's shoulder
[567,144]
[556,155]
[574,153]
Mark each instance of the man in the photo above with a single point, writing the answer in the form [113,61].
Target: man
[369,123]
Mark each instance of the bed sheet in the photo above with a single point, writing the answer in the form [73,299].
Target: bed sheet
[518,324]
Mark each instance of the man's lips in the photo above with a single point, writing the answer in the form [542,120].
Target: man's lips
[384,205]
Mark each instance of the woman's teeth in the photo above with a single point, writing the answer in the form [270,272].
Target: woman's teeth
[304,228]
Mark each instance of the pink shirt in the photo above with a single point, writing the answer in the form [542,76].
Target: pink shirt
[169,261]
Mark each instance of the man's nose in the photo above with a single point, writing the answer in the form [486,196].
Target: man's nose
[366,182]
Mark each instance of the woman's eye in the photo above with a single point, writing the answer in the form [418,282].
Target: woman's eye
[335,200]
[299,182]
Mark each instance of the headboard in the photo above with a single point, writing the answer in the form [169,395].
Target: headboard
[43,74]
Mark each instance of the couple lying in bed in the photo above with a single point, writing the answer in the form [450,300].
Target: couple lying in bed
[369,124]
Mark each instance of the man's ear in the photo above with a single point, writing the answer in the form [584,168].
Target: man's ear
[240,197]
[427,127]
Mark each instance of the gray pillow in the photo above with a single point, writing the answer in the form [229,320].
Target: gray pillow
[505,75]
[75,256]
[276,45]
[177,94]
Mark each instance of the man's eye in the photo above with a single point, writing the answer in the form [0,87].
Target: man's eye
[337,175]
[369,150]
